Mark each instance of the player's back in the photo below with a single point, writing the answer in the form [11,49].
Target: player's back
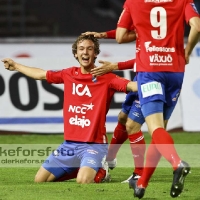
[160,29]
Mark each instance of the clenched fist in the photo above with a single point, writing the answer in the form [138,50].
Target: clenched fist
[9,64]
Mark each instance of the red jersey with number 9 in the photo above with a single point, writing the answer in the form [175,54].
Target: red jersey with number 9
[159,27]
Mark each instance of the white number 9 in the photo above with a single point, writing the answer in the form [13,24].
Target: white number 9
[158,19]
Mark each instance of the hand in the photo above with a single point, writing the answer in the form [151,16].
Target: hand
[106,67]
[187,59]
[9,64]
[187,56]
[96,34]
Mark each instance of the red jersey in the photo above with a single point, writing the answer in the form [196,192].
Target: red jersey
[86,102]
[159,27]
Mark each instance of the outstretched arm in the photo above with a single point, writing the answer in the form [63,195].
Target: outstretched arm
[107,67]
[112,35]
[132,86]
[35,73]
[99,35]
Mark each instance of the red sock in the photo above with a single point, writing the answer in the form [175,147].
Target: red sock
[152,158]
[119,137]
[138,148]
[67,176]
[100,175]
[165,145]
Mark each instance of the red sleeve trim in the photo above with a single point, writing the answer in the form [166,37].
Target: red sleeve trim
[111,34]
[126,64]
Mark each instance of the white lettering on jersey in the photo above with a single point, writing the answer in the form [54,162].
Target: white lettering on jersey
[80,91]
[151,88]
[79,121]
[157,49]
[77,109]
[80,109]
[160,59]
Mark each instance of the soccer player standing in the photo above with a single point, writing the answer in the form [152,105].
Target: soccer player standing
[160,65]
[86,103]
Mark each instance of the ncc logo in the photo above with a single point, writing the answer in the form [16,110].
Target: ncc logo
[81,90]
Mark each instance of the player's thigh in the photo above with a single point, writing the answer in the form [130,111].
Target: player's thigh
[92,158]
[135,118]
[86,175]
[153,113]
[122,117]
[173,90]
[132,126]
[130,97]
[44,175]
[63,160]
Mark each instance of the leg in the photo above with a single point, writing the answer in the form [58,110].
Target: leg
[86,175]
[119,137]
[137,145]
[68,176]
[156,92]
[162,145]
[162,139]
[120,134]
[93,167]
[44,175]
[135,135]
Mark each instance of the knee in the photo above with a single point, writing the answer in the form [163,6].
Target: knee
[122,118]
[132,127]
[38,179]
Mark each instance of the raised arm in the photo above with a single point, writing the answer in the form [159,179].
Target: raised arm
[99,35]
[123,35]
[112,35]
[35,73]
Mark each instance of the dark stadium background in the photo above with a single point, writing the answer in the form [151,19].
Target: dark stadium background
[58,18]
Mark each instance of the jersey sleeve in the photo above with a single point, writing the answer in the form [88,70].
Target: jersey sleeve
[126,64]
[118,83]
[125,20]
[111,34]
[190,11]
[54,76]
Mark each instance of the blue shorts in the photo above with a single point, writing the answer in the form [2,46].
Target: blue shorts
[159,86]
[72,155]
[131,107]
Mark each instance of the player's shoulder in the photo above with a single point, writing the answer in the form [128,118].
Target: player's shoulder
[71,69]
[109,75]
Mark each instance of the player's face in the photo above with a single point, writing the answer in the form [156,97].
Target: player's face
[86,54]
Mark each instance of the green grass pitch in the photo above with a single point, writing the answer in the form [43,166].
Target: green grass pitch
[17,182]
